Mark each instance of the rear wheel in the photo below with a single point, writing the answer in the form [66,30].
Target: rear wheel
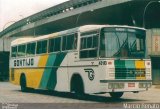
[116,95]
[23,83]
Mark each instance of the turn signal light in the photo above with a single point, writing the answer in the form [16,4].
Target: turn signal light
[148,63]
[109,63]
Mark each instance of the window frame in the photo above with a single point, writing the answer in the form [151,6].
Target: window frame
[50,52]
[128,31]
[12,51]
[67,35]
[37,47]
[93,33]
[24,44]
[30,55]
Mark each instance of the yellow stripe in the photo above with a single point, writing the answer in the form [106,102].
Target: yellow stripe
[33,75]
[42,61]
[141,78]
[140,65]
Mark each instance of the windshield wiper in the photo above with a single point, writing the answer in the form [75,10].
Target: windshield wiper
[132,46]
[124,45]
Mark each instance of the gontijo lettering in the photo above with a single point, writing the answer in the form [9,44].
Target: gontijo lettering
[24,62]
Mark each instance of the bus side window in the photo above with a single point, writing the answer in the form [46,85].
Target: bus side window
[89,46]
[64,44]
[69,42]
[31,48]
[55,45]
[41,47]
[51,45]
[75,41]
[21,50]
[14,51]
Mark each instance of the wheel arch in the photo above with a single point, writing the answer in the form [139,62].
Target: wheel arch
[22,75]
[75,76]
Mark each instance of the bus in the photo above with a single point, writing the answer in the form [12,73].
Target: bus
[91,59]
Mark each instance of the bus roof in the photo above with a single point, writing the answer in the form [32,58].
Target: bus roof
[84,28]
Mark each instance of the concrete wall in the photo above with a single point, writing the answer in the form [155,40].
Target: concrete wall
[153,47]
[153,42]
[6,43]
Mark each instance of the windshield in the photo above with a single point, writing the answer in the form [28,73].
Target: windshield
[122,42]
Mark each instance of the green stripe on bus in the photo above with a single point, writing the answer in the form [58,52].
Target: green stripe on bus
[122,67]
[47,71]
[53,76]
[49,79]
[119,64]
[130,64]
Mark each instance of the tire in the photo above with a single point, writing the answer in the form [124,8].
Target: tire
[116,95]
[77,86]
[23,83]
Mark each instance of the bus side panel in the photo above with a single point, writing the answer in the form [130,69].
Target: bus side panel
[62,80]
[49,78]
[33,73]
[14,76]
[87,69]
[62,73]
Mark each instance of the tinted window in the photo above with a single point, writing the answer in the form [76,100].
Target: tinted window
[89,46]
[41,47]
[70,42]
[14,51]
[31,48]
[55,45]
[64,42]
[21,50]
[89,42]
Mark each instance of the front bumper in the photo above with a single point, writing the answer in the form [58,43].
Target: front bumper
[125,85]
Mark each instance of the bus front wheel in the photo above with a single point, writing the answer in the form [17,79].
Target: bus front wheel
[23,83]
[116,95]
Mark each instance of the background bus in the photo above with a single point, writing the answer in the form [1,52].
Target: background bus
[88,59]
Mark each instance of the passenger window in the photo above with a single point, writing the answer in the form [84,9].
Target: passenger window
[55,45]
[70,42]
[41,47]
[51,45]
[31,48]
[14,51]
[89,46]
[21,50]
[64,43]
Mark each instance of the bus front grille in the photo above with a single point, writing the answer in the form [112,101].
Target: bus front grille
[124,73]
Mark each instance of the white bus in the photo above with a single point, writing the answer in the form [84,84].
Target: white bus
[90,59]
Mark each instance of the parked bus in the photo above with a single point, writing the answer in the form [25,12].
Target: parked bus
[90,59]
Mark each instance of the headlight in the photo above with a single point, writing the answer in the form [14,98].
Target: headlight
[145,85]
[148,70]
[115,85]
[110,86]
[149,85]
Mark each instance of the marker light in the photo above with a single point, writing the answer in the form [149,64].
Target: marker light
[109,63]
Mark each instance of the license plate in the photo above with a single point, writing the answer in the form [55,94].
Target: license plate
[131,84]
